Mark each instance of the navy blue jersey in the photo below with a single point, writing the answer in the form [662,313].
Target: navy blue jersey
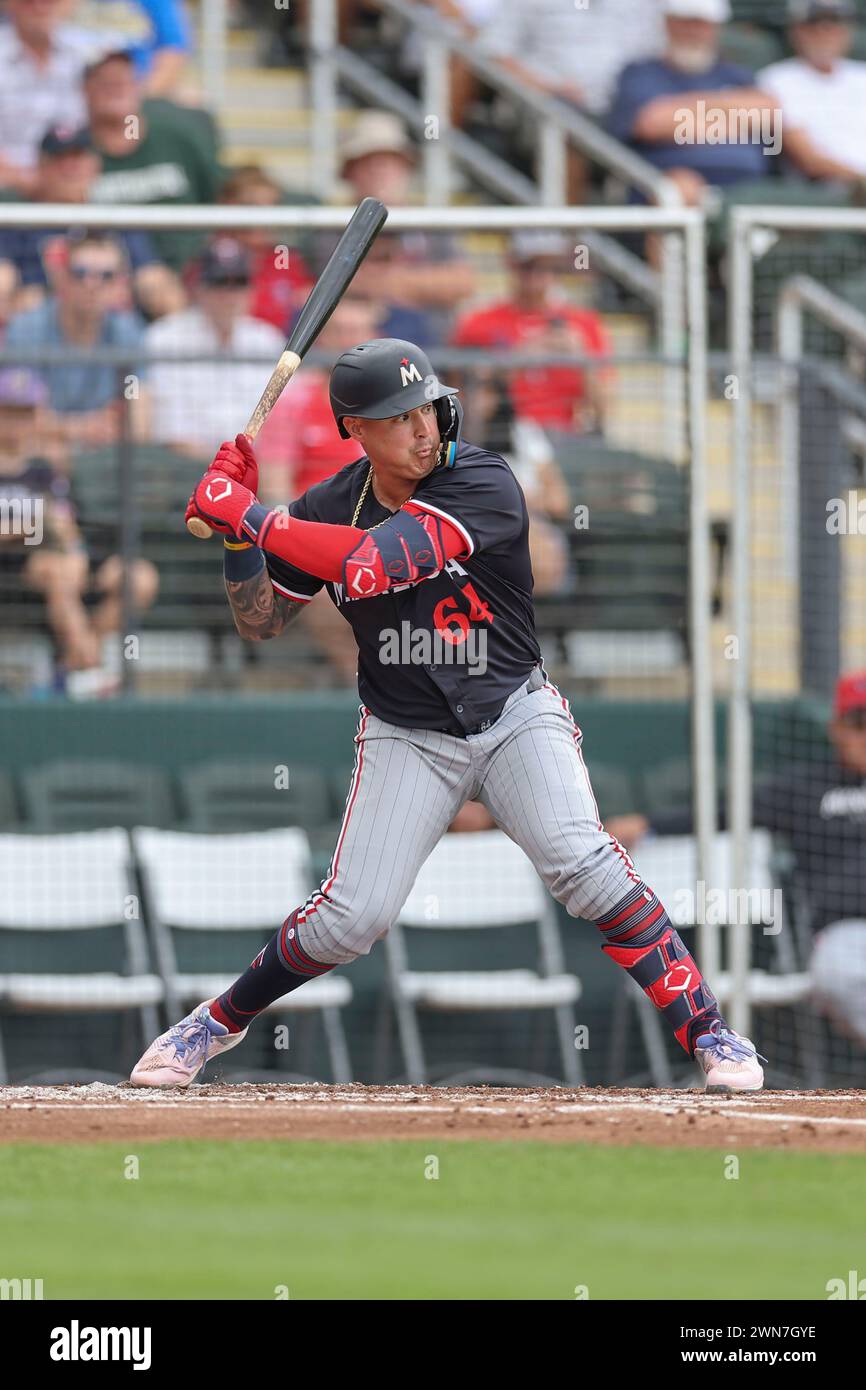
[444,652]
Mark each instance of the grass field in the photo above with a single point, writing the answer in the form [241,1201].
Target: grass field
[238,1220]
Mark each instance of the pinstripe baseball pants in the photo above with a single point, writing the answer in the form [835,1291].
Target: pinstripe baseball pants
[409,784]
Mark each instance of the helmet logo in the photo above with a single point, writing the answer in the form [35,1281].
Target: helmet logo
[408,372]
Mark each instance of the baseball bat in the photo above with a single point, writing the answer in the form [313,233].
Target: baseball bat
[364,226]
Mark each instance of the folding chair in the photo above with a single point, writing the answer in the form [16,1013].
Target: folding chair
[233,883]
[221,794]
[92,793]
[481,880]
[669,865]
[73,887]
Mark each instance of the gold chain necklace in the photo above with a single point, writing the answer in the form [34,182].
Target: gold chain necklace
[362,499]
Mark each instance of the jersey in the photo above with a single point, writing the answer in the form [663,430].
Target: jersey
[445,652]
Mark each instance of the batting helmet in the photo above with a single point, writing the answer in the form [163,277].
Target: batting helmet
[388,376]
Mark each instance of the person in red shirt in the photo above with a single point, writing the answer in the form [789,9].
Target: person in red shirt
[538,319]
[281,279]
[303,436]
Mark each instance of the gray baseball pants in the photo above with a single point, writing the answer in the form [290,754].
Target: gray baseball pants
[409,784]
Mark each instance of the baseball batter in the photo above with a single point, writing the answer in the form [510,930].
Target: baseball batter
[422,545]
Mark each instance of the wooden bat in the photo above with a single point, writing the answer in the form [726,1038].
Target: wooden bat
[364,226]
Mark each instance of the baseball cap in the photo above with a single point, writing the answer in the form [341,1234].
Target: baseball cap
[376,132]
[535,243]
[224,260]
[850,694]
[64,139]
[716,11]
[811,11]
[108,56]
[19,386]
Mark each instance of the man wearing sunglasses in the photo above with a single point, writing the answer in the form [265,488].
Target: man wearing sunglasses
[87,312]
[818,808]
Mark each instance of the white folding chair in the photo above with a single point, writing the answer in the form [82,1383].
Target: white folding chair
[481,880]
[238,882]
[669,865]
[75,883]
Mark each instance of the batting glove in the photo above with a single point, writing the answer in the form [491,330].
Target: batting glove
[237,461]
[222,502]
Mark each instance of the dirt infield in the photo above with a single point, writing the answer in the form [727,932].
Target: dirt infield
[829,1121]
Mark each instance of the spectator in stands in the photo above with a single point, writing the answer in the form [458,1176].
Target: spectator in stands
[537,319]
[312,449]
[821,93]
[281,279]
[198,404]
[473,17]
[491,423]
[162,43]
[41,548]
[574,52]
[681,111]
[416,278]
[41,66]
[90,278]
[819,810]
[67,170]
[152,152]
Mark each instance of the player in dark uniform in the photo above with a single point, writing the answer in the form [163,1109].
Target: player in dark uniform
[422,544]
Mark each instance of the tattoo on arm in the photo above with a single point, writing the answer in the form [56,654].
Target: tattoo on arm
[259,611]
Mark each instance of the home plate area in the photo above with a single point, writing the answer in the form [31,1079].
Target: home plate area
[832,1121]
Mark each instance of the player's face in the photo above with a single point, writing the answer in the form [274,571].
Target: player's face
[849,740]
[403,446]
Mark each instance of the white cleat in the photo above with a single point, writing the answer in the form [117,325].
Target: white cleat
[729,1062]
[176,1057]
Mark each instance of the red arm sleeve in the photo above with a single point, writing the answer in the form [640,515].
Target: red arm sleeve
[327,551]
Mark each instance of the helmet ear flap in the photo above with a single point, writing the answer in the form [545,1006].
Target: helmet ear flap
[449,413]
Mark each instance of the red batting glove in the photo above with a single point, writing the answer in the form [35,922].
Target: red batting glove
[222,503]
[238,461]
[192,510]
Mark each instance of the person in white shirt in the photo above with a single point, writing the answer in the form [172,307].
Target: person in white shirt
[41,65]
[821,93]
[197,404]
[574,52]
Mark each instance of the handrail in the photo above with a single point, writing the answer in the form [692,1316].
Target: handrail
[220,217]
[802,293]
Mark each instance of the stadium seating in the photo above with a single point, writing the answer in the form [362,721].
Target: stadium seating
[449,894]
[200,888]
[57,892]
[76,794]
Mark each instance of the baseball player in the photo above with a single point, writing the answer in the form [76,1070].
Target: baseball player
[422,546]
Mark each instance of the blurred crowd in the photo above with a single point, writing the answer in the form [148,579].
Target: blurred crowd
[95,115]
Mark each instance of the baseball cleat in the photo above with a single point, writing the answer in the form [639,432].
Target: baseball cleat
[731,1063]
[176,1057]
